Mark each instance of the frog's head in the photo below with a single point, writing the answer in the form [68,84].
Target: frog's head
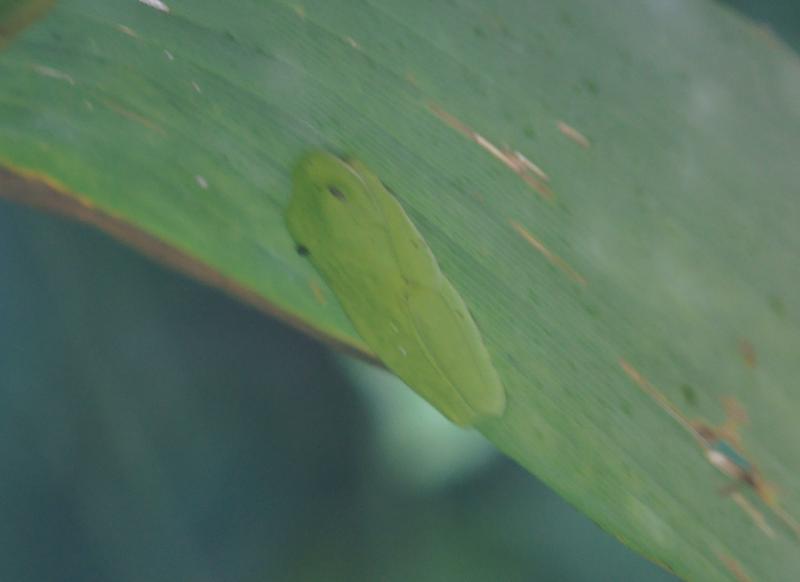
[331,199]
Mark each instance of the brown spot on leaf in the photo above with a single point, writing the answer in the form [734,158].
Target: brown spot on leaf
[754,514]
[573,134]
[748,353]
[530,173]
[133,116]
[735,568]
[319,295]
[553,258]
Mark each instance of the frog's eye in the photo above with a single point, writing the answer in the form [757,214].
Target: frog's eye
[336,193]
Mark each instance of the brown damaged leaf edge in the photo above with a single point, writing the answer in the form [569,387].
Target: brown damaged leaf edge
[39,192]
[20,14]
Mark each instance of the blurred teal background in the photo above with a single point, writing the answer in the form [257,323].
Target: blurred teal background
[153,429]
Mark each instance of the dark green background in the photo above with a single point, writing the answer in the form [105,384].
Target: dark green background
[154,429]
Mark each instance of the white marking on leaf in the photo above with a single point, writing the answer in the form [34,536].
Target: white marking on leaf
[54,74]
[157,4]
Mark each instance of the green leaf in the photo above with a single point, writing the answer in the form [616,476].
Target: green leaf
[15,15]
[654,267]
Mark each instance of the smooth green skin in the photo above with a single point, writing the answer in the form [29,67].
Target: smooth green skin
[391,287]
